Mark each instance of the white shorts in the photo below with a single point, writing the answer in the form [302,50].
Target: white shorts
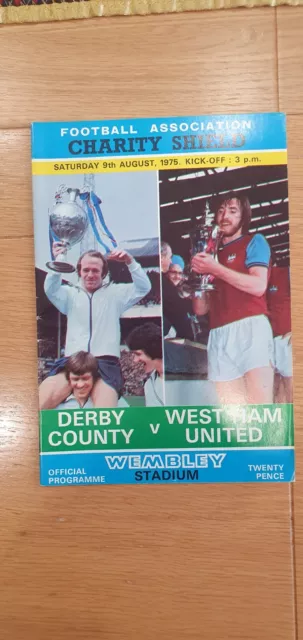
[283,356]
[239,347]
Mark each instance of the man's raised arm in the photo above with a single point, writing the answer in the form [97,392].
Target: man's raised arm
[140,280]
[56,292]
[141,286]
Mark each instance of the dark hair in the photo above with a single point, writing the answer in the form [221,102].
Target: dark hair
[244,203]
[94,254]
[80,363]
[147,338]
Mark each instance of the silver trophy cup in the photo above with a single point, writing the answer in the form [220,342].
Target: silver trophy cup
[68,223]
[205,237]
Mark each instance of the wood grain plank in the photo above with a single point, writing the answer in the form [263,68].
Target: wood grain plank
[295,155]
[169,64]
[125,562]
[290,58]
[16,194]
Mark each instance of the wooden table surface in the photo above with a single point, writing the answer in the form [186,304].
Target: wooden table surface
[170,562]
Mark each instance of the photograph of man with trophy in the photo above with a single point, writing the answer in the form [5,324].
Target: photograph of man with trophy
[225,225]
[96,287]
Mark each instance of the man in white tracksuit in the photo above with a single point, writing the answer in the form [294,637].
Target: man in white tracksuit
[93,311]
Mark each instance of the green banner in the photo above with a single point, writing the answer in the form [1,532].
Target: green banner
[167,428]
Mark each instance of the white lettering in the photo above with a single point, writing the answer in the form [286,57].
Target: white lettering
[127,435]
[192,416]
[205,417]
[51,438]
[104,417]
[70,438]
[270,416]
[188,435]
[118,416]
[88,437]
[208,435]
[186,462]
[101,437]
[155,428]
[116,462]
[78,419]
[134,462]
[258,432]
[242,434]
[61,416]
[175,415]
[172,461]
[217,459]
[202,460]
[91,416]
[114,432]
[254,416]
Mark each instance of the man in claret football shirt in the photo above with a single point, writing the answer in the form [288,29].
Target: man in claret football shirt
[240,345]
[278,298]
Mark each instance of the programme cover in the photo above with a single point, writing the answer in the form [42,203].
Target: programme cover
[163,300]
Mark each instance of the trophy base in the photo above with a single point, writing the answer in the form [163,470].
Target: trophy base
[192,289]
[60,267]
[207,287]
